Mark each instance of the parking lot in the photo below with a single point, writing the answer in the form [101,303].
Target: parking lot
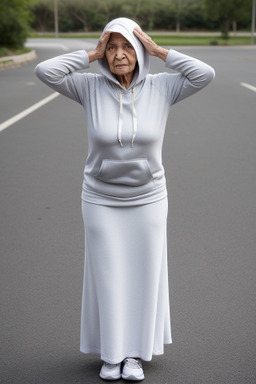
[210,163]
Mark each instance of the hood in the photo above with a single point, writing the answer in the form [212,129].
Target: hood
[125,27]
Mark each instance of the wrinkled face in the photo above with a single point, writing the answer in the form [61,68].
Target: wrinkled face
[120,55]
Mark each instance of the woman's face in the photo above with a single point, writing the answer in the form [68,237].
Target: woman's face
[120,55]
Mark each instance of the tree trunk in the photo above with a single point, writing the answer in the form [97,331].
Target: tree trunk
[225,29]
[234,24]
[177,26]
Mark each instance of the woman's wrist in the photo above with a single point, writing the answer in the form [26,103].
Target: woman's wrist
[161,53]
[93,56]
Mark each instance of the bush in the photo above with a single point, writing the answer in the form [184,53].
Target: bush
[13,24]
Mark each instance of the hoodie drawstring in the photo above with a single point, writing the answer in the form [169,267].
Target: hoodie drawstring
[134,116]
[120,120]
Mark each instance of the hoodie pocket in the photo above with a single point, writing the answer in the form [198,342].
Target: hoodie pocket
[134,172]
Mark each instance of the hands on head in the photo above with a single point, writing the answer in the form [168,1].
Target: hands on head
[152,48]
[146,40]
[99,51]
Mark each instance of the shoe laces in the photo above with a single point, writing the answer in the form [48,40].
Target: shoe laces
[133,363]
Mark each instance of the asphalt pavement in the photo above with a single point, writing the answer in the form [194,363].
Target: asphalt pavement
[210,162]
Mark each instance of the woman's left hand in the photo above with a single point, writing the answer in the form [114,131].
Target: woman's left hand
[146,40]
[152,48]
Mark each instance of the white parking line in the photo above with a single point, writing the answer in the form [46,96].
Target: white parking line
[50,45]
[27,111]
[249,86]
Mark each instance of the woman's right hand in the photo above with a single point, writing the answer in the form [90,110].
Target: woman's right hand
[99,51]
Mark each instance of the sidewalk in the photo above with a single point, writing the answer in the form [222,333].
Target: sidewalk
[7,62]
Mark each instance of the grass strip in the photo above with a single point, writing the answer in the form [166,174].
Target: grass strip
[4,51]
[168,39]
[174,40]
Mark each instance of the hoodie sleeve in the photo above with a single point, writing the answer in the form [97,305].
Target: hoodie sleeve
[58,73]
[193,75]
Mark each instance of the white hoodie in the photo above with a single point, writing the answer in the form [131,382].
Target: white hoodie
[125,126]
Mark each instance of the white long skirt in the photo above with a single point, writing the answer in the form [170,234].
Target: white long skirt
[125,302]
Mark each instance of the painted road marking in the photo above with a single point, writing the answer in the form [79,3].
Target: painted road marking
[50,45]
[27,111]
[249,86]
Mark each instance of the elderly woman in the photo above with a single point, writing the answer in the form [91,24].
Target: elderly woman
[125,304]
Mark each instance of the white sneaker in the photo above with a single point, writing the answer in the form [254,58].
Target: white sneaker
[110,371]
[132,369]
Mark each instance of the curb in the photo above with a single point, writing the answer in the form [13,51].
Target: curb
[7,62]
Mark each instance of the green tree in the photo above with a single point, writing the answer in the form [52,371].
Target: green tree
[112,9]
[193,15]
[145,12]
[86,13]
[14,23]
[179,14]
[91,15]
[226,12]
[43,15]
